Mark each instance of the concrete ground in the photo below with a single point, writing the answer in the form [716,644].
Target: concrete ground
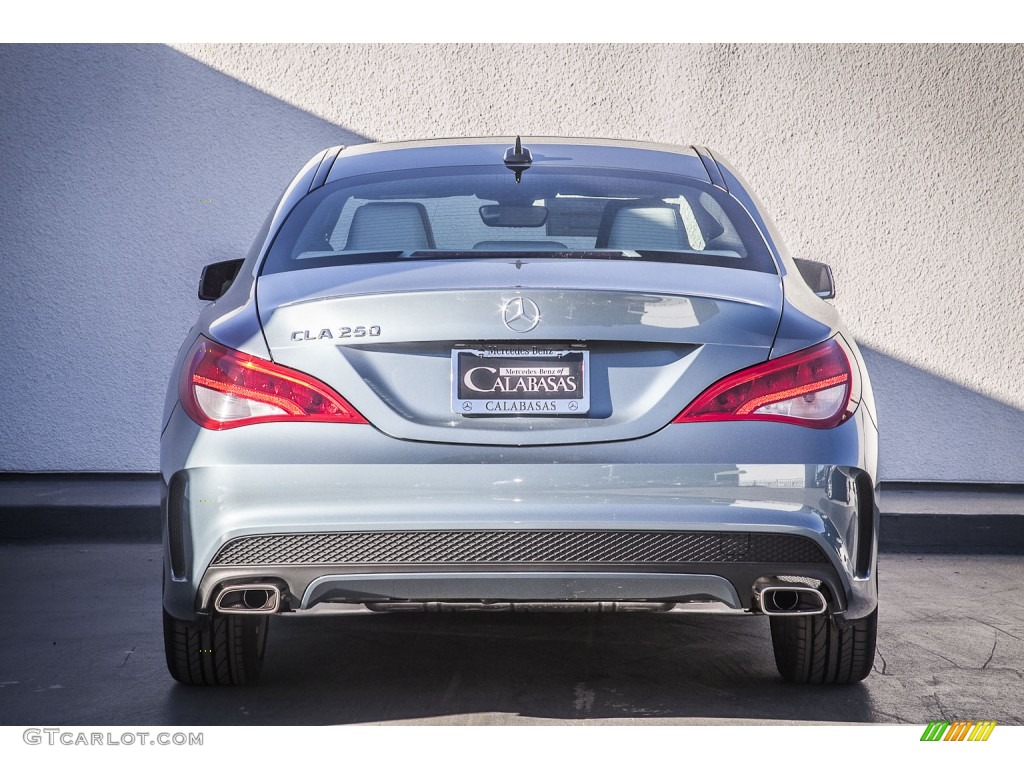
[81,644]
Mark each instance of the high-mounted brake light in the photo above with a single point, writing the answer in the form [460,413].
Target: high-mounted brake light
[814,387]
[221,388]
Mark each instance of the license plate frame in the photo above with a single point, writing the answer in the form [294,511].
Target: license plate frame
[553,371]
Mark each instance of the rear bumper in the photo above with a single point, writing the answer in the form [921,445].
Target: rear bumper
[519,586]
[306,488]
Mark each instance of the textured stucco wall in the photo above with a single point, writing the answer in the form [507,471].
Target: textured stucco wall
[902,166]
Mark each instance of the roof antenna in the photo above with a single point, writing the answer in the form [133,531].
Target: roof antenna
[518,159]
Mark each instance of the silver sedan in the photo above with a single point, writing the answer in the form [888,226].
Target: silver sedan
[519,374]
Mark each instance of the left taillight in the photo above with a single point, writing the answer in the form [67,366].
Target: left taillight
[222,388]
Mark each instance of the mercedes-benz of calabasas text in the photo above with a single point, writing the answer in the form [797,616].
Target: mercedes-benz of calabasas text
[521,374]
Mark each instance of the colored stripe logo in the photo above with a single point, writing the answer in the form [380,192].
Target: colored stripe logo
[958,730]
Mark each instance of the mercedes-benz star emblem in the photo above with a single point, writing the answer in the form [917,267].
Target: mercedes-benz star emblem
[521,314]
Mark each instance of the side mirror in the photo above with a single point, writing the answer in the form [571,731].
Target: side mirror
[818,276]
[217,278]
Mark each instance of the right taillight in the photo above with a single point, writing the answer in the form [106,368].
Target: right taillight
[812,388]
[222,388]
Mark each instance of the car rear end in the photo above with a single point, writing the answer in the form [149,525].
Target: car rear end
[444,380]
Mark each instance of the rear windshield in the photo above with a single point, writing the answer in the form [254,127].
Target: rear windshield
[553,213]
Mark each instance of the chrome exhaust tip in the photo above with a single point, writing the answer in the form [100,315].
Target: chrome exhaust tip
[791,601]
[248,599]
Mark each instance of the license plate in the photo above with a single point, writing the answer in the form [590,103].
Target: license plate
[514,381]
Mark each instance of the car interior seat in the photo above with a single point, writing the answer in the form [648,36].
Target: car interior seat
[642,224]
[399,226]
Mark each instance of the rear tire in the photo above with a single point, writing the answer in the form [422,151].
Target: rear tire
[818,650]
[226,650]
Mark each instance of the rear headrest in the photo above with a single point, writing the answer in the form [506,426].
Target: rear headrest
[390,227]
[640,224]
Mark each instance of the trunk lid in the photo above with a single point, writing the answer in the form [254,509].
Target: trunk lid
[383,335]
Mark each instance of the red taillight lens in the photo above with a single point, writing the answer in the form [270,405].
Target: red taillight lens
[811,387]
[223,388]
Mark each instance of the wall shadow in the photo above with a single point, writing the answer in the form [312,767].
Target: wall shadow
[934,430]
[125,169]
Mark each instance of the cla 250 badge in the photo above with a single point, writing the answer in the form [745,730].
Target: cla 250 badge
[345,332]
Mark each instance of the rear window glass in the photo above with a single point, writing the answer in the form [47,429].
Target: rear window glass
[471,212]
